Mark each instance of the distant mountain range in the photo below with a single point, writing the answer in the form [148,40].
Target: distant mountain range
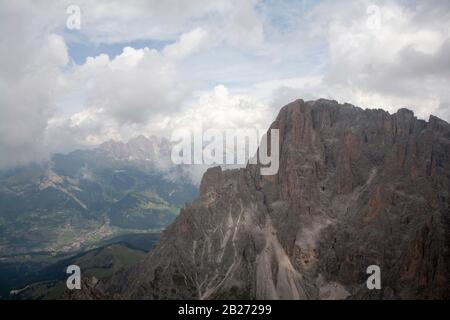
[78,199]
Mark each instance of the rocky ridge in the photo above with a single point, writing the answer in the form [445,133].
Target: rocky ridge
[355,188]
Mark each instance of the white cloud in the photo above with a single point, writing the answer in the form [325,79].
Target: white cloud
[186,45]
[131,87]
[29,76]
[220,109]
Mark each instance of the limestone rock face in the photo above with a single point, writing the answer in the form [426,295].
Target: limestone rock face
[355,188]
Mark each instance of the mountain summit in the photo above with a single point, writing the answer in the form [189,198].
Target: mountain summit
[355,188]
[139,148]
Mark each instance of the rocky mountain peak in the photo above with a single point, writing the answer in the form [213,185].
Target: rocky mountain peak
[355,188]
[139,148]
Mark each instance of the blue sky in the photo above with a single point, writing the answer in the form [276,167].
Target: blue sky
[79,51]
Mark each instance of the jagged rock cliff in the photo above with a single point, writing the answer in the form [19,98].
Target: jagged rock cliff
[355,188]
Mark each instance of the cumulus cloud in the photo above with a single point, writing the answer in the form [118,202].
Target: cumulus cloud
[134,86]
[122,95]
[220,109]
[187,44]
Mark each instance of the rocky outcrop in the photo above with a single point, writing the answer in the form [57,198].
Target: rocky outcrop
[355,188]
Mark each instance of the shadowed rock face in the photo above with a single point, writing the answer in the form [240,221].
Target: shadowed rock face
[355,188]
